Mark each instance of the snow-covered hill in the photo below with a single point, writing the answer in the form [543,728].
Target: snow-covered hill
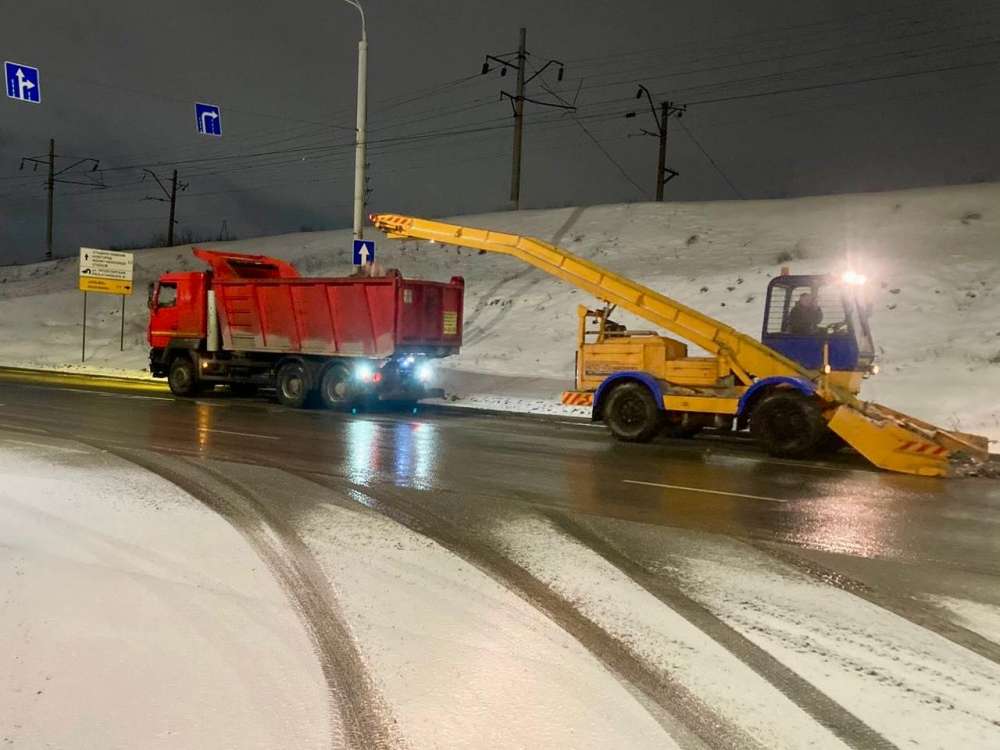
[932,257]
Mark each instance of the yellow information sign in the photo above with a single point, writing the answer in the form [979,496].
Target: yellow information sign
[105,286]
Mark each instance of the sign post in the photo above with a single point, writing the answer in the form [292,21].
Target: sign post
[104,272]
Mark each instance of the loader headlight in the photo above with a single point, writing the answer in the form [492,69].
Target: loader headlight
[875,369]
[853,278]
[364,372]
[424,373]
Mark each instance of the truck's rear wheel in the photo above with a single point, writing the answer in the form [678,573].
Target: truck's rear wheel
[292,385]
[183,378]
[632,414]
[334,387]
[788,424]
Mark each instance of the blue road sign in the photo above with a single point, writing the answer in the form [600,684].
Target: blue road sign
[22,82]
[209,118]
[364,252]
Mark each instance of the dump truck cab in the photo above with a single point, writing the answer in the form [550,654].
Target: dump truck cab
[176,314]
[821,320]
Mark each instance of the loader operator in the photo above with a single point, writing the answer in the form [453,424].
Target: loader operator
[805,316]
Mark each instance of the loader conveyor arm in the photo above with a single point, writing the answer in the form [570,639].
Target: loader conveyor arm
[748,356]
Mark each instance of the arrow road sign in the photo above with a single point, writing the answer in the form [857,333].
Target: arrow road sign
[364,252]
[22,82]
[209,118]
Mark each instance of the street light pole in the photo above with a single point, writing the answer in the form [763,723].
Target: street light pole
[362,119]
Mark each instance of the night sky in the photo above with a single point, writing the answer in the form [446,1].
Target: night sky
[120,78]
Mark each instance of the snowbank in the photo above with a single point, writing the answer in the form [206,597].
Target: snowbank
[930,255]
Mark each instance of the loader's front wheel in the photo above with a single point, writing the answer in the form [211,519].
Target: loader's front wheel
[788,424]
[631,413]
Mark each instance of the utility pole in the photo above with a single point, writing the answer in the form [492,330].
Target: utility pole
[361,124]
[168,196]
[52,193]
[49,161]
[517,101]
[173,209]
[515,175]
[668,109]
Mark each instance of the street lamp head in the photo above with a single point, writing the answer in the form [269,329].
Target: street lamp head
[629,115]
[559,75]
[638,93]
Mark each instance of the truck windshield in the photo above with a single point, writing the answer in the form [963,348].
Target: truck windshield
[167,295]
[807,310]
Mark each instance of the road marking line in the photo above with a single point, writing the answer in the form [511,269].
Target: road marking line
[707,492]
[241,434]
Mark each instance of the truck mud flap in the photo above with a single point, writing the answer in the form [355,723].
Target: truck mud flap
[897,442]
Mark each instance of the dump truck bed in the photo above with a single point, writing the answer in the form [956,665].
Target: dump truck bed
[350,316]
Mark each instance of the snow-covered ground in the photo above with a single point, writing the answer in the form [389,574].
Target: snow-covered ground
[930,255]
[131,616]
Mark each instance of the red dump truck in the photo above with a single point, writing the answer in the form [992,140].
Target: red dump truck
[253,322]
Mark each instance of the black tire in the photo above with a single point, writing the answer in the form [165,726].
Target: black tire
[788,424]
[632,414]
[292,385]
[183,378]
[334,387]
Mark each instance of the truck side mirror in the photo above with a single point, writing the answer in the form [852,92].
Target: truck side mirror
[149,295]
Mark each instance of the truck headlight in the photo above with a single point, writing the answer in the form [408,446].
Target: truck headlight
[424,373]
[364,372]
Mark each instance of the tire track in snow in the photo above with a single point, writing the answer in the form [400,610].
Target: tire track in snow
[687,719]
[364,720]
[921,614]
[827,712]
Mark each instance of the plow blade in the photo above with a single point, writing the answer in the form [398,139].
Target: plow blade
[898,442]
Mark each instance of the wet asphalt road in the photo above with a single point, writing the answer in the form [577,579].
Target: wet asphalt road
[892,540]
[709,484]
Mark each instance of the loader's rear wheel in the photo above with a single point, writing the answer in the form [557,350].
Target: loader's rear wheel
[334,387]
[292,385]
[632,414]
[788,424]
[183,378]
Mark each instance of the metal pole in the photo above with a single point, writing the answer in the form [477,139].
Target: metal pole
[515,178]
[122,347]
[83,344]
[52,192]
[173,203]
[661,164]
[361,124]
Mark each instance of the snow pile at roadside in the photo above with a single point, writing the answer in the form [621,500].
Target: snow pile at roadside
[930,255]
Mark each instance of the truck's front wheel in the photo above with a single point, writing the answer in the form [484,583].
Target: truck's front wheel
[183,378]
[292,385]
[632,414]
